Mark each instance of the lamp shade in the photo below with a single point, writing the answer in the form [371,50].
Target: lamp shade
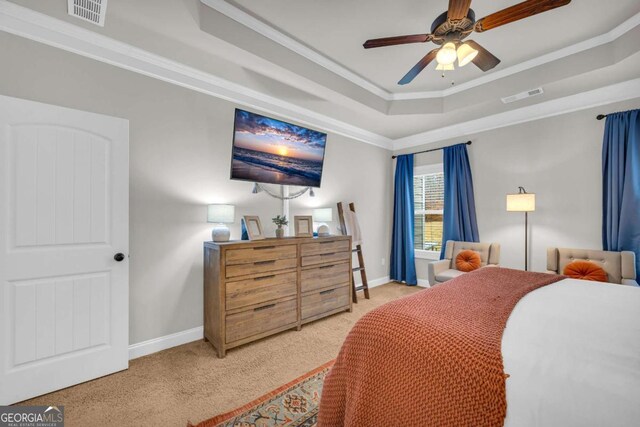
[323,215]
[466,54]
[447,54]
[447,67]
[523,202]
[221,214]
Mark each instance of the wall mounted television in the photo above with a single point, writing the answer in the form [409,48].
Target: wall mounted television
[271,151]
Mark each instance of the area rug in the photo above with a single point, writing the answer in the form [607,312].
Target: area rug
[294,404]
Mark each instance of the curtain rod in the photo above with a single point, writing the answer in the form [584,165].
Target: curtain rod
[433,149]
[601,116]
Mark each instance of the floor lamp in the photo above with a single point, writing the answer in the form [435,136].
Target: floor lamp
[523,202]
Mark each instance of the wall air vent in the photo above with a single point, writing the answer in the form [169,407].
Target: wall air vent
[93,11]
[522,95]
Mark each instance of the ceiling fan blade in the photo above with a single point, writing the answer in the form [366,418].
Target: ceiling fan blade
[392,41]
[419,67]
[517,12]
[484,60]
[458,9]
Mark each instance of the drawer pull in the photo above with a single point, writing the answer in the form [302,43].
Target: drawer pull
[264,262]
[271,276]
[328,291]
[260,248]
[264,307]
[322,243]
[326,266]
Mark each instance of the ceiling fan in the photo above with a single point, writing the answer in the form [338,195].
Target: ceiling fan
[453,26]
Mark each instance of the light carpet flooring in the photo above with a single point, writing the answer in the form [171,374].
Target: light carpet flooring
[189,383]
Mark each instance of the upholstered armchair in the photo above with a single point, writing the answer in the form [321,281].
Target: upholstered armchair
[619,266]
[445,269]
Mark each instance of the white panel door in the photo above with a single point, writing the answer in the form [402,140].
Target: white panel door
[64,215]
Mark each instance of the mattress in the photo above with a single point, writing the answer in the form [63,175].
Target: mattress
[572,353]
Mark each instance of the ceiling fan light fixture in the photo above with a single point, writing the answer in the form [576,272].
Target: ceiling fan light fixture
[445,67]
[452,27]
[466,54]
[447,54]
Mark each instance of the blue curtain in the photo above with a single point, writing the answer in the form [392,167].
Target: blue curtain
[621,183]
[403,263]
[459,205]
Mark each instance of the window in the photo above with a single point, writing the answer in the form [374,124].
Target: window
[428,191]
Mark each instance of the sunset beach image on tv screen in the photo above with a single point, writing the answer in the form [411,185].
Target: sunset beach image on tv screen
[272,151]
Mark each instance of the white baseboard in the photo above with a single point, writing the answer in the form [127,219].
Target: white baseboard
[423,283]
[154,345]
[379,281]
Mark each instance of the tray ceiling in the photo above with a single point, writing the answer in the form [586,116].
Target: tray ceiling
[337,29]
[193,44]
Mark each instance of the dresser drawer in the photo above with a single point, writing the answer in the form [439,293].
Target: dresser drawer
[320,302]
[260,253]
[325,276]
[325,258]
[261,319]
[260,267]
[260,289]
[324,247]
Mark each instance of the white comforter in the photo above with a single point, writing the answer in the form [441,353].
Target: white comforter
[572,350]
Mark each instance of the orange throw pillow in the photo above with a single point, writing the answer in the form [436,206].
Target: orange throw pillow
[585,270]
[468,261]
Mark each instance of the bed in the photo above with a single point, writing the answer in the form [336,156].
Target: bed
[569,350]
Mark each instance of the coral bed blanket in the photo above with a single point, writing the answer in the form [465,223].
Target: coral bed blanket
[430,359]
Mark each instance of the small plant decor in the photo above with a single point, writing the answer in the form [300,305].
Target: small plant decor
[280,221]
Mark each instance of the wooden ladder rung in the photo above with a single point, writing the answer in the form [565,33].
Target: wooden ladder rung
[357,250]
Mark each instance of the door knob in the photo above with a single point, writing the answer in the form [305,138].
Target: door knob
[119,256]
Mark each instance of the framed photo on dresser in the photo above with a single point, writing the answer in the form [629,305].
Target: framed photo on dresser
[254,227]
[303,226]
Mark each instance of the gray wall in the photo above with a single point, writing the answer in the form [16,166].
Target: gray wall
[180,148]
[559,159]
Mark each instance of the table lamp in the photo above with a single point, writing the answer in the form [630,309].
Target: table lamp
[221,215]
[522,202]
[322,216]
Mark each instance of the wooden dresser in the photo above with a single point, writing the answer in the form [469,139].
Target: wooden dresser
[253,289]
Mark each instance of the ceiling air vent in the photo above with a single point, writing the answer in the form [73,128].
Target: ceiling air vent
[88,10]
[522,95]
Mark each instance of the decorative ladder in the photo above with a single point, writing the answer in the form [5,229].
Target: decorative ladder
[358,250]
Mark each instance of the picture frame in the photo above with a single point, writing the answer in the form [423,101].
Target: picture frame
[254,227]
[303,225]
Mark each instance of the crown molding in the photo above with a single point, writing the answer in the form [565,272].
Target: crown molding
[285,40]
[27,23]
[281,38]
[24,22]
[629,89]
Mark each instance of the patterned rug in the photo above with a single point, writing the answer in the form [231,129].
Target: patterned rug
[294,404]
